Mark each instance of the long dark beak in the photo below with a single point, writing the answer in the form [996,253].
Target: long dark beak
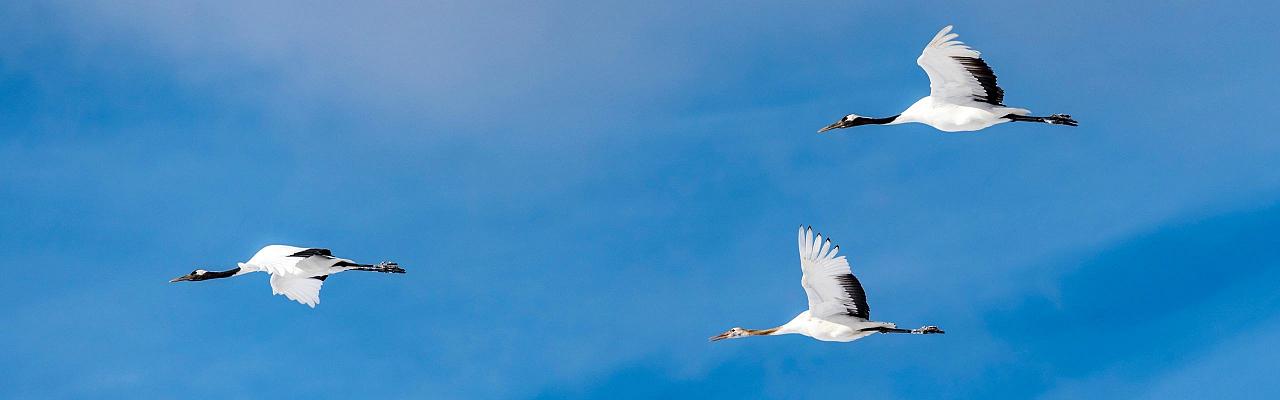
[180,279]
[839,124]
[720,337]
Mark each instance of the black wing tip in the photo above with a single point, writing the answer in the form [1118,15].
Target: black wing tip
[856,294]
[986,77]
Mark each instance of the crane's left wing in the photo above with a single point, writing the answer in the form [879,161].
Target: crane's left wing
[291,260]
[299,289]
[313,252]
[829,283]
[957,72]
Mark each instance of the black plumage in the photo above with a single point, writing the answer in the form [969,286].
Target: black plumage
[858,298]
[994,95]
[313,252]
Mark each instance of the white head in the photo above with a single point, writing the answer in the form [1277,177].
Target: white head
[848,121]
[732,333]
[200,275]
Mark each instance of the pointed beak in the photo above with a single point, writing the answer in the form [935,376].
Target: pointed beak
[720,337]
[839,124]
[180,279]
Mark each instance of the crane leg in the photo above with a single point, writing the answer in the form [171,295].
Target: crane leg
[924,330]
[1054,119]
[387,267]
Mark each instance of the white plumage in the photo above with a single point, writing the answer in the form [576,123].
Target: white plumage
[948,62]
[296,272]
[820,267]
[963,94]
[838,310]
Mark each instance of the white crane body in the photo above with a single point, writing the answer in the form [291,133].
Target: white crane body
[296,272]
[963,94]
[838,309]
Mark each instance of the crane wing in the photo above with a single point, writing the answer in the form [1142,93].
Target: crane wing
[313,252]
[299,289]
[957,73]
[285,260]
[827,280]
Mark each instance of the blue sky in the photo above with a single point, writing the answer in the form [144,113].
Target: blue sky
[582,194]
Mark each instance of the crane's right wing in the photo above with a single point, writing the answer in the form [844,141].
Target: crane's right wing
[313,252]
[827,280]
[285,260]
[302,290]
[957,73]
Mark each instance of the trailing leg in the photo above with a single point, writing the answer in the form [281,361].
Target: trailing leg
[384,267]
[1054,119]
[924,330]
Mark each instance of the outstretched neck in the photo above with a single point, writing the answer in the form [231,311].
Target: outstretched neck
[786,329]
[883,121]
[222,274]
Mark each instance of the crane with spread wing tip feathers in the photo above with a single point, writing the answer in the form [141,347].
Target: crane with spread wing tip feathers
[838,310]
[963,95]
[296,272]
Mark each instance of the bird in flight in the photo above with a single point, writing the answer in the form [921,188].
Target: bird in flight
[963,95]
[296,272]
[838,310]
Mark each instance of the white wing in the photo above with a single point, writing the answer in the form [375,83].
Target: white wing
[302,290]
[827,279]
[285,260]
[957,73]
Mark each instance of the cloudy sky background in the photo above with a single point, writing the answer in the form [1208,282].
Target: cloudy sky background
[583,193]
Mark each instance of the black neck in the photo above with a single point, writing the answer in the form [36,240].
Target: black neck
[878,121]
[220,274]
